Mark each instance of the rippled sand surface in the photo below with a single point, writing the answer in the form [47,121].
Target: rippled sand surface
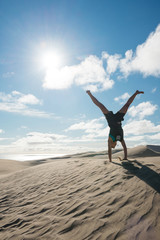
[82,196]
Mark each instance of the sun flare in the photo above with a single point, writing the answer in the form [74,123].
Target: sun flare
[51,59]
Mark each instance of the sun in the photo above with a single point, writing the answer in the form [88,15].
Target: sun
[51,59]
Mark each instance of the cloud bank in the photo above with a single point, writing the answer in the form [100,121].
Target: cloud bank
[17,102]
[91,134]
[89,74]
[142,110]
[123,98]
[145,60]
[96,73]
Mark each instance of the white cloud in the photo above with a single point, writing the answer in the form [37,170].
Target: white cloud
[93,129]
[135,138]
[37,142]
[90,74]
[88,126]
[16,102]
[112,62]
[137,131]
[141,132]
[50,143]
[1,131]
[37,138]
[141,110]
[93,137]
[91,87]
[121,99]
[143,140]
[140,127]
[16,93]
[155,137]
[154,90]
[29,99]
[4,139]
[97,129]
[145,59]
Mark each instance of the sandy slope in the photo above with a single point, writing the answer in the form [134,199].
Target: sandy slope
[9,166]
[83,197]
[142,151]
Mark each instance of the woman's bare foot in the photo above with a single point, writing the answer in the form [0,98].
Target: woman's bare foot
[88,92]
[139,92]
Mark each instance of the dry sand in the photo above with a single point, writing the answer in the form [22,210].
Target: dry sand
[82,196]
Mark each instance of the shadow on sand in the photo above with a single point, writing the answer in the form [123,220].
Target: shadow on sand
[143,172]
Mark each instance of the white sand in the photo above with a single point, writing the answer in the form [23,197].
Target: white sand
[82,196]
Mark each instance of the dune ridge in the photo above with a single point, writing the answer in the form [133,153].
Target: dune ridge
[83,197]
[141,151]
[155,148]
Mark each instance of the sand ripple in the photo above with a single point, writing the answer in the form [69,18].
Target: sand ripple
[82,198]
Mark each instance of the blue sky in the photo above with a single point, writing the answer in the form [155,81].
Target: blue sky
[52,51]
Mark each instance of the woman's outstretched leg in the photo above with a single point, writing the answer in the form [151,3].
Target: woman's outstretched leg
[130,100]
[98,104]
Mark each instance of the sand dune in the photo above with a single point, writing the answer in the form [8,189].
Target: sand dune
[9,166]
[155,148]
[141,151]
[83,196]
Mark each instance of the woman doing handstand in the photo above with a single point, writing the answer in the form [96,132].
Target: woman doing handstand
[114,122]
